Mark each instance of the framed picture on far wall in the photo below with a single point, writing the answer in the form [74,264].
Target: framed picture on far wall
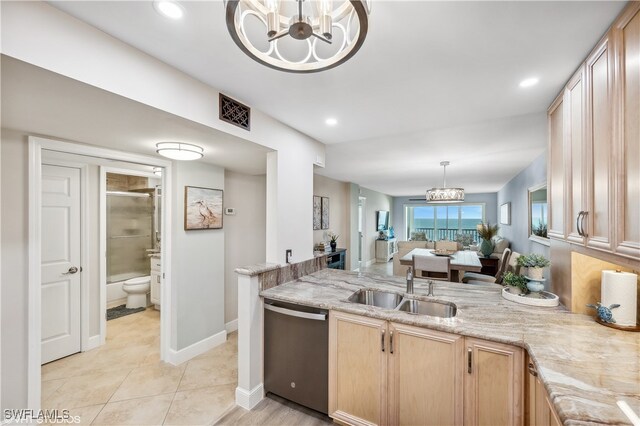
[202,208]
[325,213]
[317,211]
[505,214]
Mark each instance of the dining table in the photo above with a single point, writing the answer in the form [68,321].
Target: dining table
[462,260]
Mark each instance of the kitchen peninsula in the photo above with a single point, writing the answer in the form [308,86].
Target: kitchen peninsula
[584,368]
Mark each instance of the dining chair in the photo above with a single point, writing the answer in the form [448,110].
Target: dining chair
[497,278]
[446,245]
[432,267]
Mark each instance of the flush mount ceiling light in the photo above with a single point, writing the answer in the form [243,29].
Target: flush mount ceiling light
[297,35]
[331,121]
[179,151]
[169,9]
[529,82]
[444,194]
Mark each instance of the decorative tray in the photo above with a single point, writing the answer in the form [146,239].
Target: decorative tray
[543,298]
[444,252]
[635,328]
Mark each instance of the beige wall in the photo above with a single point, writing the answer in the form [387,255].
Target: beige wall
[338,193]
[245,232]
[14,268]
[375,201]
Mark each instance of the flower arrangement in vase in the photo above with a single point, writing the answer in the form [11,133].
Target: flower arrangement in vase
[487,232]
[534,264]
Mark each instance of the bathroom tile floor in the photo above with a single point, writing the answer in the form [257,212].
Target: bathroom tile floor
[124,382]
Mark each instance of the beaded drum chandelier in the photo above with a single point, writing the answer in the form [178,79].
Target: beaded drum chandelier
[444,194]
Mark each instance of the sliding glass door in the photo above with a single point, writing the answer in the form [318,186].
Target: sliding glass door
[444,221]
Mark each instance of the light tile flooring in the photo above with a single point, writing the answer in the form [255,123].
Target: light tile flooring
[124,382]
[379,268]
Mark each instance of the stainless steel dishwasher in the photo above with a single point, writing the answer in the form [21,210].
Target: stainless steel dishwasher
[296,353]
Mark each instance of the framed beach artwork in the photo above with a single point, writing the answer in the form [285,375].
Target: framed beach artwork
[505,214]
[202,208]
[317,212]
[325,213]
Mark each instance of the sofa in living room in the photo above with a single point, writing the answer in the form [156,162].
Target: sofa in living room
[404,247]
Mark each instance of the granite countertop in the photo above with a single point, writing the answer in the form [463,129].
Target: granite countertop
[584,366]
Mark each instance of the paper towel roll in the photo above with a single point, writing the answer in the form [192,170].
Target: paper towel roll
[621,288]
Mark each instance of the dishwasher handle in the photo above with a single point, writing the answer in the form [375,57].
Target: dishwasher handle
[299,314]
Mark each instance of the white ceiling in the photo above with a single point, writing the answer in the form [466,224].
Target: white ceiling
[40,102]
[424,66]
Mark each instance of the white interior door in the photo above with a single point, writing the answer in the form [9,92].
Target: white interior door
[60,262]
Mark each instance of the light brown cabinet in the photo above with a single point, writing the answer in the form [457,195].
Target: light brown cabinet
[574,147]
[426,370]
[627,39]
[388,373]
[556,170]
[599,146]
[594,163]
[357,369]
[539,410]
[494,385]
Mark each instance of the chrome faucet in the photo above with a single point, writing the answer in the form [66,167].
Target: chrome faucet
[410,280]
[431,284]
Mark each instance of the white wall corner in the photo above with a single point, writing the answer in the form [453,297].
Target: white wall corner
[177,357]
[231,326]
[249,399]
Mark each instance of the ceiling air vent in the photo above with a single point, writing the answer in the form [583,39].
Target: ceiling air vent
[234,112]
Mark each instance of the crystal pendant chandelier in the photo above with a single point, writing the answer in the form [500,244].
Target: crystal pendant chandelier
[299,36]
[444,194]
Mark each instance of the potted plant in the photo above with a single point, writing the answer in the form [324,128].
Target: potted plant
[534,264]
[487,232]
[517,281]
[333,241]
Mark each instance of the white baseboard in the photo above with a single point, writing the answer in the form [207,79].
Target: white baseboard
[231,326]
[92,343]
[185,354]
[370,262]
[249,399]
[116,302]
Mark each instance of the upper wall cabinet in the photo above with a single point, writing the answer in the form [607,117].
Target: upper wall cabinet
[627,39]
[556,171]
[594,161]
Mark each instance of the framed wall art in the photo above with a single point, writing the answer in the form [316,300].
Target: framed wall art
[202,208]
[505,214]
[317,213]
[325,213]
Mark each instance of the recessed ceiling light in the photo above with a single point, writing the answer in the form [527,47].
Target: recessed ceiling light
[331,121]
[179,151]
[170,9]
[529,82]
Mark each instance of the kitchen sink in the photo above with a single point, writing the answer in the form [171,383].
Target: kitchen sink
[379,298]
[427,307]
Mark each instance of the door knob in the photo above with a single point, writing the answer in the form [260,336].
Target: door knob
[71,271]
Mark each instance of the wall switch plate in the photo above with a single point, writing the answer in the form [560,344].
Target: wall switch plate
[230,211]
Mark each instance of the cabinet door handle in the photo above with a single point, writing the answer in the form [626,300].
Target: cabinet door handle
[578,223]
[532,370]
[469,360]
[584,216]
[391,342]
[382,340]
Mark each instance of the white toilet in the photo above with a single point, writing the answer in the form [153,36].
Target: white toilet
[137,290]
